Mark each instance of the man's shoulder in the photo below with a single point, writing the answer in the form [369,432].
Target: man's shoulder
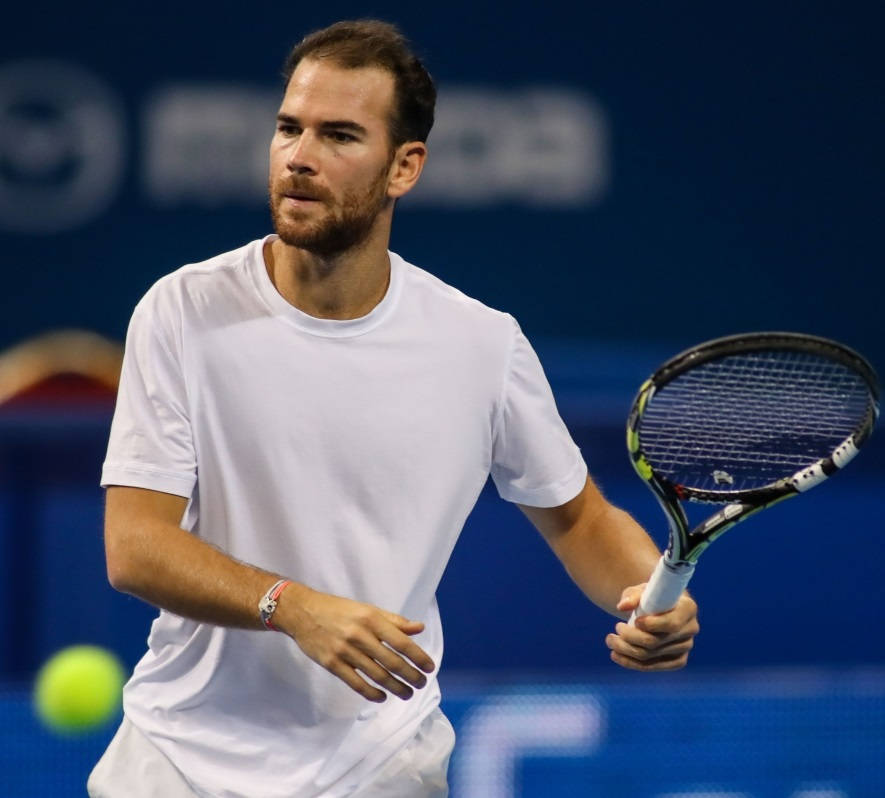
[433,292]
[234,260]
[202,276]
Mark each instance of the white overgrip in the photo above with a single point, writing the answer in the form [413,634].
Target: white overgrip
[664,588]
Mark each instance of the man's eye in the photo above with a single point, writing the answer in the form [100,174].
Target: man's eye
[286,130]
[341,137]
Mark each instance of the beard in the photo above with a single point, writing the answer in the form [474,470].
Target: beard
[345,224]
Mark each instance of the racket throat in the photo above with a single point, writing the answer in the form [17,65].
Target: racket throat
[678,569]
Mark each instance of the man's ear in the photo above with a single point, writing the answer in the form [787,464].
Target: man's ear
[406,168]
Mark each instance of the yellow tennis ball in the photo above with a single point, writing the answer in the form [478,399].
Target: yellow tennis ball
[78,689]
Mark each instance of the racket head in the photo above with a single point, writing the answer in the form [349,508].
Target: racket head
[746,420]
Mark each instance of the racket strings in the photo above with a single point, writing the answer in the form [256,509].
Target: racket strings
[747,420]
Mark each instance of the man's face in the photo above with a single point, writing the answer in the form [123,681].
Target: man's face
[330,157]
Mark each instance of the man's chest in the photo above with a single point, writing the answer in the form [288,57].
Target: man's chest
[388,404]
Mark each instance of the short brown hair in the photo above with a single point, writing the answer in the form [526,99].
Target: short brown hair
[373,43]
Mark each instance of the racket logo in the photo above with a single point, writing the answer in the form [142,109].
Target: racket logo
[722,477]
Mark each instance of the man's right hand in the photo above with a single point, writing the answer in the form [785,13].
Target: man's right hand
[150,556]
[351,640]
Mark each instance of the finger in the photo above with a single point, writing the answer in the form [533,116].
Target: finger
[636,636]
[414,652]
[668,623]
[372,628]
[354,681]
[402,623]
[670,650]
[686,609]
[393,662]
[378,674]
[629,600]
[383,641]
[660,664]
[401,643]
[650,640]
[381,652]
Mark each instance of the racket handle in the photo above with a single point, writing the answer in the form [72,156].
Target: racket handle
[664,588]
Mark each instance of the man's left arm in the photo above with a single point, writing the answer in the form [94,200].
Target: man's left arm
[610,557]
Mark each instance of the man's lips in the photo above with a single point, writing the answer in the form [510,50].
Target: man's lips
[297,202]
[301,193]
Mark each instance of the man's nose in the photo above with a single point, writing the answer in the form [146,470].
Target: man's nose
[303,154]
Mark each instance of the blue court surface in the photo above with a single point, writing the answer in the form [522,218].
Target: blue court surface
[779,734]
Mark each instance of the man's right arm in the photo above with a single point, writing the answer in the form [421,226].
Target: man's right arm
[151,557]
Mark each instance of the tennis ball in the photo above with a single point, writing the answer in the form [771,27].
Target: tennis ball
[78,689]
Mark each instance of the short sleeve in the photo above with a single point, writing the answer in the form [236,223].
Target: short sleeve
[534,459]
[151,442]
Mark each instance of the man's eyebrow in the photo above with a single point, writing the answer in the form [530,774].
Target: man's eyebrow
[332,124]
[344,124]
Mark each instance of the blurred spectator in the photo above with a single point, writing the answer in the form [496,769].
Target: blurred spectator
[61,366]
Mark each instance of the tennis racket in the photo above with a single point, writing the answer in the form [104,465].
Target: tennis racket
[745,422]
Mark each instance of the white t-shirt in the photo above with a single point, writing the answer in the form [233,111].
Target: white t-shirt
[343,454]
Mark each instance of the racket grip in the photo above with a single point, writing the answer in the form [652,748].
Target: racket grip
[664,588]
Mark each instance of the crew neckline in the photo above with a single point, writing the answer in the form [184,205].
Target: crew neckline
[326,328]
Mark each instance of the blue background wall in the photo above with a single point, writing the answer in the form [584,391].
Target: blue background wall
[741,163]
[710,169]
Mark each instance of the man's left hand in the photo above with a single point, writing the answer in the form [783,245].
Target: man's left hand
[658,642]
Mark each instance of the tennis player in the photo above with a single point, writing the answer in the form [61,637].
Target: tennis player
[302,427]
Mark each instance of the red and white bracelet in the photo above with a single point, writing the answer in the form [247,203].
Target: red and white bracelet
[267,606]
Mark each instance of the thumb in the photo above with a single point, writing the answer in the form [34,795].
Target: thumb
[629,600]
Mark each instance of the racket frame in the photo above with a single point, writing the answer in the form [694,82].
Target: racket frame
[685,545]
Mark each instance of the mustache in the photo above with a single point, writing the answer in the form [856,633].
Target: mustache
[301,187]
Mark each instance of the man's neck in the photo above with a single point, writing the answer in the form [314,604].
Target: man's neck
[343,287]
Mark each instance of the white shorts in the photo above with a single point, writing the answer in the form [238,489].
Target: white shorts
[133,767]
